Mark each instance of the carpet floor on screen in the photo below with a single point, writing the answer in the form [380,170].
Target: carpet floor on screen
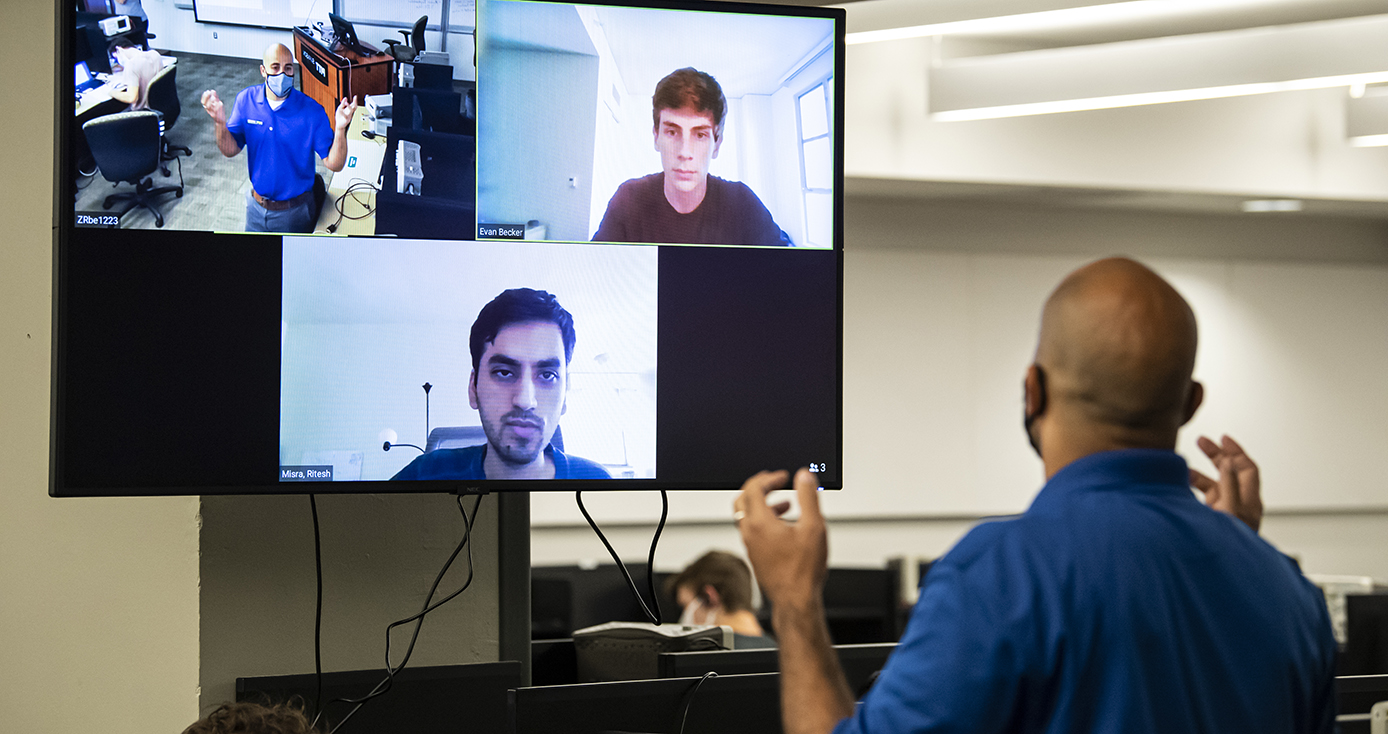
[214,186]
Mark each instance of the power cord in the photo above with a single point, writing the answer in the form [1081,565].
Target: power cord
[650,560]
[340,203]
[429,606]
[317,611]
[688,702]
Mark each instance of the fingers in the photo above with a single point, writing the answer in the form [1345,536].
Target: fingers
[752,501]
[1210,448]
[807,492]
[781,508]
[1241,460]
[1203,482]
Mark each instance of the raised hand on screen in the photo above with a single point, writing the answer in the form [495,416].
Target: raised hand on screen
[346,110]
[215,109]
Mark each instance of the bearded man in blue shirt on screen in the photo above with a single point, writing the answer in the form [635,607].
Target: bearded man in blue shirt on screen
[282,130]
[521,344]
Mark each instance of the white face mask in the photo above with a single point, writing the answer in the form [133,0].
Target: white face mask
[691,614]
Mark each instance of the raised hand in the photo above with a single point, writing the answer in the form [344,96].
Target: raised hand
[790,560]
[346,111]
[1238,489]
[214,107]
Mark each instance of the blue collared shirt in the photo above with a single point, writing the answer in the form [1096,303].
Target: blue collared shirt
[280,143]
[1117,603]
[467,464]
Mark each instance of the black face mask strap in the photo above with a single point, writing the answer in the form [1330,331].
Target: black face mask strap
[1029,419]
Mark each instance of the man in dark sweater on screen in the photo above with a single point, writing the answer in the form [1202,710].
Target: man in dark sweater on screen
[683,203]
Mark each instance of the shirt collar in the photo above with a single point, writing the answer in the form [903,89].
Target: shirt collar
[1148,471]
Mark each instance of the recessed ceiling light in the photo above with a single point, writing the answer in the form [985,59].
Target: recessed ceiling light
[1272,205]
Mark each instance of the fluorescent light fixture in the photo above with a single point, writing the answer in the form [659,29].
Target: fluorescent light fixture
[1298,57]
[1130,10]
[1369,141]
[1146,98]
[1366,118]
[1272,205]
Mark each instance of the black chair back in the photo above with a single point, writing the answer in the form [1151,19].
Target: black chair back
[163,95]
[126,145]
[417,33]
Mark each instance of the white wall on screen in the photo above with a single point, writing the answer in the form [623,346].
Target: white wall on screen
[525,145]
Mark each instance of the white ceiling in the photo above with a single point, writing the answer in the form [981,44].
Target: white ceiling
[1073,23]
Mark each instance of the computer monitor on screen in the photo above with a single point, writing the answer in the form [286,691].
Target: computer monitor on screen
[345,32]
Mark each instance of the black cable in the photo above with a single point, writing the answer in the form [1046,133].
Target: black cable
[688,702]
[317,611]
[650,559]
[429,606]
[352,191]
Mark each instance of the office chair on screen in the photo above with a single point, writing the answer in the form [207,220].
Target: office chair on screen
[127,147]
[406,52]
[163,98]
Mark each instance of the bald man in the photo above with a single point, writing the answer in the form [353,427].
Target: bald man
[1117,602]
[283,129]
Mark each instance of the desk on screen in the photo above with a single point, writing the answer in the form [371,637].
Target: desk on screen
[364,159]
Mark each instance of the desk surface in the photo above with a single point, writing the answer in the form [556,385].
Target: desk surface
[363,164]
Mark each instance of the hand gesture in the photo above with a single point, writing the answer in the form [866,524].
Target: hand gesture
[346,112]
[790,560]
[1237,492]
[214,107]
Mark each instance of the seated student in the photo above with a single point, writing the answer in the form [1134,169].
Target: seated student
[521,345]
[252,718]
[717,589]
[130,83]
[682,203]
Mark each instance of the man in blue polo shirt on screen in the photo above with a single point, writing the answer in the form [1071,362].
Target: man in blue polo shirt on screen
[283,129]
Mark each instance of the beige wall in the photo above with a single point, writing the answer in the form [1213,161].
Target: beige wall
[380,555]
[98,598]
[1294,319]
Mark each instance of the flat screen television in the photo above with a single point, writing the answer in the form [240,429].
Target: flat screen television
[620,269]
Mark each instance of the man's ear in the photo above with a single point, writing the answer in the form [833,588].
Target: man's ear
[717,142]
[711,594]
[472,390]
[1034,392]
[1193,401]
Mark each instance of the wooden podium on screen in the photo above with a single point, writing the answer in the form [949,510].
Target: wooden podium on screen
[328,76]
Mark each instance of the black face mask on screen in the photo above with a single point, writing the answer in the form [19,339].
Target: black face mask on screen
[1030,418]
